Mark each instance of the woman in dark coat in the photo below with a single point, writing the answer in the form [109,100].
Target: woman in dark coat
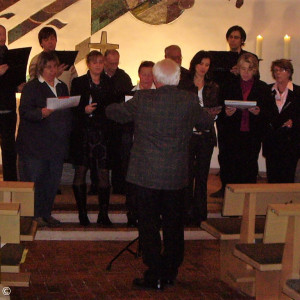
[242,130]
[202,142]
[281,139]
[43,137]
[89,137]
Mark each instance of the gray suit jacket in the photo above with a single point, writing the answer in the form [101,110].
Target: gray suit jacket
[164,119]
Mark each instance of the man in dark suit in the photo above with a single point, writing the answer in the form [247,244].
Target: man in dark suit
[164,119]
[119,85]
[174,52]
[8,115]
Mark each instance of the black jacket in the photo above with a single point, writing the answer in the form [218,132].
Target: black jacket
[230,126]
[40,138]
[278,139]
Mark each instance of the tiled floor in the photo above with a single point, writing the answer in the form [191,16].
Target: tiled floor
[77,270]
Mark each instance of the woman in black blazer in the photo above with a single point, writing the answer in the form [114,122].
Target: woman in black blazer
[281,140]
[242,130]
[89,137]
[202,142]
[43,137]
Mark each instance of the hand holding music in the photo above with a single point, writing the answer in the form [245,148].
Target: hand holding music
[288,124]
[254,110]
[90,108]
[230,111]
[46,112]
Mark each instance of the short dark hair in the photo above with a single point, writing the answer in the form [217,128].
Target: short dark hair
[283,64]
[146,64]
[92,55]
[45,33]
[197,60]
[240,30]
[42,61]
[111,51]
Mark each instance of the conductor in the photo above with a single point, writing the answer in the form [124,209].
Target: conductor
[164,119]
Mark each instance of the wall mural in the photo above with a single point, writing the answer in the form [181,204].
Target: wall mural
[103,12]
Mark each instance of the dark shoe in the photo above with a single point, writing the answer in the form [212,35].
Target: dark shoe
[52,221]
[132,223]
[146,284]
[168,281]
[93,190]
[218,194]
[84,220]
[103,219]
[41,222]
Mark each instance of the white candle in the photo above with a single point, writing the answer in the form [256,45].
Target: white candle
[259,40]
[287,47]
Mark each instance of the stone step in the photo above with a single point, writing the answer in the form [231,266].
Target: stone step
[95,232]
[116,216]
[70,229]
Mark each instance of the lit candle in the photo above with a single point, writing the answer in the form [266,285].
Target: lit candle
[287,47]
[259,40]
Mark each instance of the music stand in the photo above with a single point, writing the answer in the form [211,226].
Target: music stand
[137,253]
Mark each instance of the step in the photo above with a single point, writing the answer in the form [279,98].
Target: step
[70,229]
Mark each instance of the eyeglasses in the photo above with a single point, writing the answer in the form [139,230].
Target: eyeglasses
[280,70]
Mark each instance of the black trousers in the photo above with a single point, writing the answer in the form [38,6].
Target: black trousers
[239,158]
[200,151]
[8,145]
[158,208]
[281,167]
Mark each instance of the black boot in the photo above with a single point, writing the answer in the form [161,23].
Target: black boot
[103,197]
[80,197]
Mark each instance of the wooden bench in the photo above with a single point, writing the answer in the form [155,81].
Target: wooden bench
[20,192]
[11,256]
[290,270]
[243,203]
[266,258]
[10,222]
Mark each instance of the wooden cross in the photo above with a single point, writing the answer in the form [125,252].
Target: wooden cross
[103,45]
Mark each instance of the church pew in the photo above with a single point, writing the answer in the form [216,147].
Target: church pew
[23,193]
[20,192]
[290,273]
[11,255]
[10,222]
[266,258]
[14,228]
[243,204]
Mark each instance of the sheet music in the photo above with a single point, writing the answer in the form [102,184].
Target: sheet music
[128,97]
[240,104]
[62,102]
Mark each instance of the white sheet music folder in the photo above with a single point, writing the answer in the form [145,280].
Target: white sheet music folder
[240,104]
[62,102]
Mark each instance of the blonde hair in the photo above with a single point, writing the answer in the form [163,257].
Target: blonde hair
[251,60]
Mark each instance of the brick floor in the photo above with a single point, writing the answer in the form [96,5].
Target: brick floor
[77,270]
